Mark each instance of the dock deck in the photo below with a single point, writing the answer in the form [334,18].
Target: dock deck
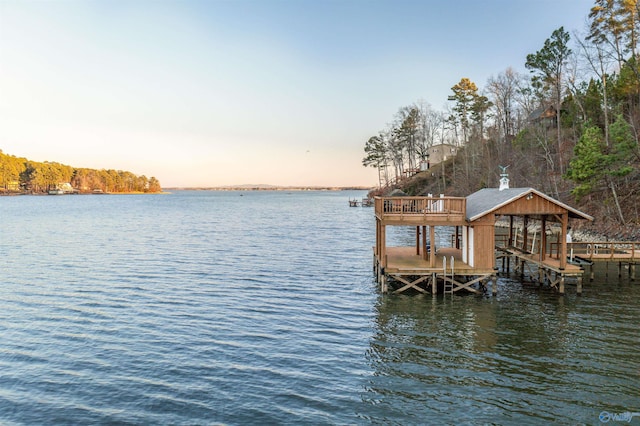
[404,260]
[413,271]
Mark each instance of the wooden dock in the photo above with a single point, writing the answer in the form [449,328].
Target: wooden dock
[470,262]
[547,270]
[624,253]
[450,274]
[425,268]
[365,202]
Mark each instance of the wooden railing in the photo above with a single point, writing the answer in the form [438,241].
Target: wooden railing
[416,207]
[502,241]
[614,250]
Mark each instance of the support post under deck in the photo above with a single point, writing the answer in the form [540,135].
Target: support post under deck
[579,285]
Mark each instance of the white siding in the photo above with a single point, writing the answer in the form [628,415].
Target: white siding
[465,243]
[471,261]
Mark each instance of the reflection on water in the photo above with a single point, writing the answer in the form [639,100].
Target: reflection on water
[527,356]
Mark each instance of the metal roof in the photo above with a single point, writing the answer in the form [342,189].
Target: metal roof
[487,200]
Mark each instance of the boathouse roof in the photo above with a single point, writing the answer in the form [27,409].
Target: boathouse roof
[488,200]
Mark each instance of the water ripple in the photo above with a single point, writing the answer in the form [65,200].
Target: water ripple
[211,308]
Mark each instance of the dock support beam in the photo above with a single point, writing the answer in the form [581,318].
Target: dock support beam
[425,252]
[494,284]
[384,287]
[579,285]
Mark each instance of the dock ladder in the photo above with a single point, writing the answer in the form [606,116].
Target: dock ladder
[448,283]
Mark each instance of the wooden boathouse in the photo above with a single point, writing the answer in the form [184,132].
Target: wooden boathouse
[470,261]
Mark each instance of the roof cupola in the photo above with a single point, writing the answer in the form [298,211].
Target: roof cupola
[504,178]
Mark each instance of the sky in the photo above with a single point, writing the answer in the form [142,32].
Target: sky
[221,92]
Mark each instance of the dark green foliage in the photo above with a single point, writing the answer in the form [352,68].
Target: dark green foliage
[623,157]
[589,161]
[547,63]
[375,152]
[593,163]
[593,103]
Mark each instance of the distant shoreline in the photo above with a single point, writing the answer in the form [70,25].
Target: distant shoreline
[215,188]
[270,188]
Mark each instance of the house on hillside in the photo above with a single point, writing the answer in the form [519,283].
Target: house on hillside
[436,154]
[544,115]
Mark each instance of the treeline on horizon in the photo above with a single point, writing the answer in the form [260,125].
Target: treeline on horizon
[21,175]
[569,127]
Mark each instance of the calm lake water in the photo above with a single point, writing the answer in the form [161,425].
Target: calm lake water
[261,308]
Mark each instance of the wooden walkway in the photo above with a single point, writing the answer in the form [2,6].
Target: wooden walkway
[620,252]
[548,269]
[602,251]
[581,256]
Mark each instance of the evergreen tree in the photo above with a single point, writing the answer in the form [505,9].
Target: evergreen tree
[586,167]
[375,155]
[548,65]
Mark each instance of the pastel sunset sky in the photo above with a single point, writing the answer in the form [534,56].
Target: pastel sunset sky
[209,93]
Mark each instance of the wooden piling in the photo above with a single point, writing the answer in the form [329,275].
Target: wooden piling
[579,286]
